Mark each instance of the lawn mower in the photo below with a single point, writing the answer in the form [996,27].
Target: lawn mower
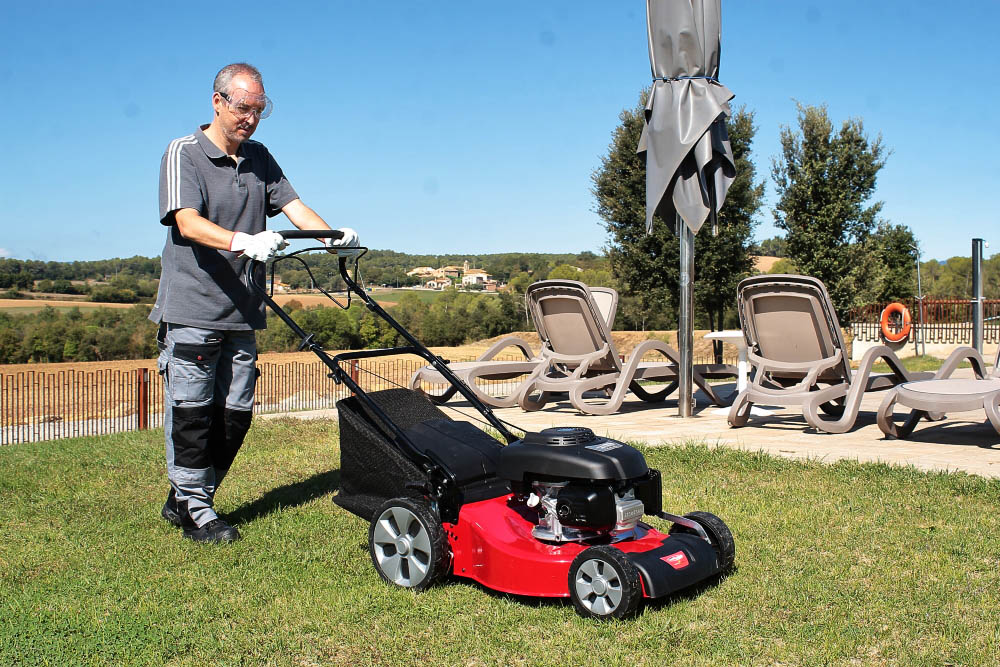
[552,514]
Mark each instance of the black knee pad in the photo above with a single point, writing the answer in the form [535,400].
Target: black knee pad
[229,428]
[190,436]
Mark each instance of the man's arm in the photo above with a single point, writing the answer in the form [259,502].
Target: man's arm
[201,230]
[302,216]
[204,232]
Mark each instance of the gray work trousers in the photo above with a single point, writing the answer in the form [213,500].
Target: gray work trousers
[209,377]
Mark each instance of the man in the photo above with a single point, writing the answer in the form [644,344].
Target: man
[216,189]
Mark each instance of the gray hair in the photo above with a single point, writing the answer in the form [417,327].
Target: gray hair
[224,79]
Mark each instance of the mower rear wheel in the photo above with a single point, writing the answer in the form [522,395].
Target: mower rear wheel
[603,583]
[719,535]
[407,544]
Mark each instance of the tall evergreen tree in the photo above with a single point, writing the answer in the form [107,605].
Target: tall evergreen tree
[824,183]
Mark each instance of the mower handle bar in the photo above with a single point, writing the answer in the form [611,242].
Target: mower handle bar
[311,233]
[415,347]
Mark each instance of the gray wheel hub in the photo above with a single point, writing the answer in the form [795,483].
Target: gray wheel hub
[402,547]
[598,586]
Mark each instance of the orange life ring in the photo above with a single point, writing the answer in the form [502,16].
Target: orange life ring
[904,331]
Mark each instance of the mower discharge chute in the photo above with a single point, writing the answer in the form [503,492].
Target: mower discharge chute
[552,514]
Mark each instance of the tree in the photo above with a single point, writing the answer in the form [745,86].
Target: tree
[895,251]
[520,282]
[564,272]
[376,332]
[784,265]
[772,247]
[824,182]
[724,260]
[646,266]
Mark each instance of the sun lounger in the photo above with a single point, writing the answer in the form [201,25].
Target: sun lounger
[945,395]
[798,356]
[488,368]
[579,355]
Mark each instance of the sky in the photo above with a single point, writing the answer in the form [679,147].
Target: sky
[441,126]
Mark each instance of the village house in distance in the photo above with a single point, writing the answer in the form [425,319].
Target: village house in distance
[447,276]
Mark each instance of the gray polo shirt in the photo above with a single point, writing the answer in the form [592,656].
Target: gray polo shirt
[201,286]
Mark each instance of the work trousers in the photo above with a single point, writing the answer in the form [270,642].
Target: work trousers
[209,377]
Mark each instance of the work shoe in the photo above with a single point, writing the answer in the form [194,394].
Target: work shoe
[170,511]
[215,531]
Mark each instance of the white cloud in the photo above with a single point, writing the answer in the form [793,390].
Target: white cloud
[4,252]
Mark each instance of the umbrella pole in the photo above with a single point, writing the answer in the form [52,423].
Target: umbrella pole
[685,329]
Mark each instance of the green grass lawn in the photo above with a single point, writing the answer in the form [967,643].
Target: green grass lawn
[394,295]
[917,364]
[844,563]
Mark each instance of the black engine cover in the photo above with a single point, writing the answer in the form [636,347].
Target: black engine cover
[591,505]
[558,454]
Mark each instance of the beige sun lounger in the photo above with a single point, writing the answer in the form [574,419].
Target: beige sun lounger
[798,356]
[579,356]
[945,395]
[488,368]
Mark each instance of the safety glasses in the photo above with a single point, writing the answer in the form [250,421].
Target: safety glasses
[243,104]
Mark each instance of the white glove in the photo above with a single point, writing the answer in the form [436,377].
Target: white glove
[260,246]
[345,245]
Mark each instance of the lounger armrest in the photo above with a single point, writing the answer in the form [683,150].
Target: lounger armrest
[654,345]
[957,357]
[584,360]
[812,369]
[511,341]
[892,361]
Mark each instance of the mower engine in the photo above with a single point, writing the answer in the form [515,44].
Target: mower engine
[581,486]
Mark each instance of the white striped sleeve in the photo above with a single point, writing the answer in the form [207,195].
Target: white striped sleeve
[179,186]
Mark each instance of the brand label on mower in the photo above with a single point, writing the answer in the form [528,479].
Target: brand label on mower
[678,560]
[604,446]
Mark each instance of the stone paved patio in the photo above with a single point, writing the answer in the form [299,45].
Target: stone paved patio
[964,441]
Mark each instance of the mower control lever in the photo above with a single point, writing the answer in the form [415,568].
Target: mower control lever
[687,523]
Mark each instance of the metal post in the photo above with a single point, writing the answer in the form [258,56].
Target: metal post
[919,342]
[685,328]
[977,294]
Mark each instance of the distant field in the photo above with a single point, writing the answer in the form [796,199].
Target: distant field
[764,263]
[26,306]
[425,295]
[387,298]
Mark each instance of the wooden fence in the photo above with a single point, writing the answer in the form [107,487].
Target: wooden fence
[40,405]
[47,405]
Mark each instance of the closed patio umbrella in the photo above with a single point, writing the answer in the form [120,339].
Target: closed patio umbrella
[689,162]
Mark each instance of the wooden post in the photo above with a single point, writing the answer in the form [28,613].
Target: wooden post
[142,397]
[354,372]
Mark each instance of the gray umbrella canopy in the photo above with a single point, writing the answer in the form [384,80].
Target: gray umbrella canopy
[688,155]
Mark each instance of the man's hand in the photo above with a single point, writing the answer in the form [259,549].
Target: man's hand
[345,245]
[260,246]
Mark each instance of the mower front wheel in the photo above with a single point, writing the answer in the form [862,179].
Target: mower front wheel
[719,535]
[407,544]
[604,584]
